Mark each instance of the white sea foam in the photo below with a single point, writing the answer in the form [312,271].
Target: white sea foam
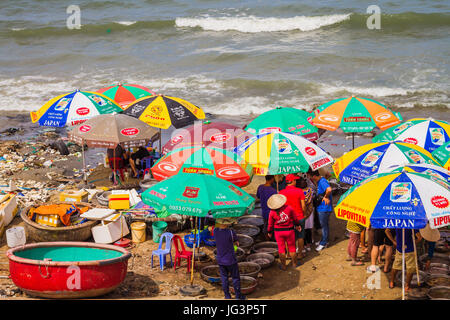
[252,24]
[126,23]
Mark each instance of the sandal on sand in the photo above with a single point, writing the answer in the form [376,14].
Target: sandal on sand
[281,268]
[348,259]
[359,263]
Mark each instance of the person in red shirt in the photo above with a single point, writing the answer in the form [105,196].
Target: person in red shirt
[282,220]
[296,199]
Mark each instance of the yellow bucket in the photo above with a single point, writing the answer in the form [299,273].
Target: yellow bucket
[138,232]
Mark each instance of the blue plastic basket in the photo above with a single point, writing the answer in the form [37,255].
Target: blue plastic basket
[189,240]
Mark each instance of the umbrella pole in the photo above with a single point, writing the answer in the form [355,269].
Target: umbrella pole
[403,264]
[353,140]
[160,143]
[84,163]
[114,166]
[415,258]
[193,252]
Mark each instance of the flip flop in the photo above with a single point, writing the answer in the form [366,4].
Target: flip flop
[279,267]
[359,263]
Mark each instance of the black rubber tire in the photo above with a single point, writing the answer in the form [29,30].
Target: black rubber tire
[192,291]
[61,147]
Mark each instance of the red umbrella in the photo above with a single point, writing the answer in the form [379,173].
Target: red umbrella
[214,134]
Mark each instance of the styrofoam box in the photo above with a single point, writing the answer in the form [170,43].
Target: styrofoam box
[8,209]
[110,232]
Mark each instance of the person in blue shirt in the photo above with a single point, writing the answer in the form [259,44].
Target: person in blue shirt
[226,257]
[325,208]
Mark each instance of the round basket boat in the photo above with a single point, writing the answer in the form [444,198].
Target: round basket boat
[67,269]
[246,229]
[265,260]
[40,233]
[248,284]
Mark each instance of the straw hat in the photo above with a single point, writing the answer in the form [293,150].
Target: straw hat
[276,201]
[429,234]
[225,221]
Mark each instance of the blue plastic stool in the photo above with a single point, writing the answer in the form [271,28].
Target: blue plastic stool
[148,162]
[162,253]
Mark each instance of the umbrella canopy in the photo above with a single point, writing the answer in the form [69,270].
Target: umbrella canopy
[73,108]
[207,133]
[289,120]
[282,153]
[354,114]
[199,195]
[109,130]
[372,158]
[126,93]
[442,155]
[214,161]
[163,111]
[397,200]
[430,134]
[425,168]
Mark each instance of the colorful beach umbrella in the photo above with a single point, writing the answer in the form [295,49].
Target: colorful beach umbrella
[199,195]
[355,115]
[214,134]
[430,134]
[126,93]
[372,158]
[73,108]
[442,155]
[109,130]
[280,119]
[163,111]
[397,200]
[282,153]
[425,168]
[213,161]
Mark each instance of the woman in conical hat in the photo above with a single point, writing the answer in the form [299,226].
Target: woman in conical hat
[282,221]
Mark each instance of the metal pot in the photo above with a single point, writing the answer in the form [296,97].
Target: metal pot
[250,269]
[255,220]
[246,229]
[245,242]
[266,247]
[265,260]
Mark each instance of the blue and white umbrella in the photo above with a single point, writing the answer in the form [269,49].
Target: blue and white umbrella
[425,168]
[429,134]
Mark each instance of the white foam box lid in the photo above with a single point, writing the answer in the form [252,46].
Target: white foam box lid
[98,213]
[110,232]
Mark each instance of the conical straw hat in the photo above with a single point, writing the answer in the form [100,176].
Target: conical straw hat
[276,201]
[429,234]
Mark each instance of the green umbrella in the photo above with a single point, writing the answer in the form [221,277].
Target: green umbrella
[281,119]
[199,195]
